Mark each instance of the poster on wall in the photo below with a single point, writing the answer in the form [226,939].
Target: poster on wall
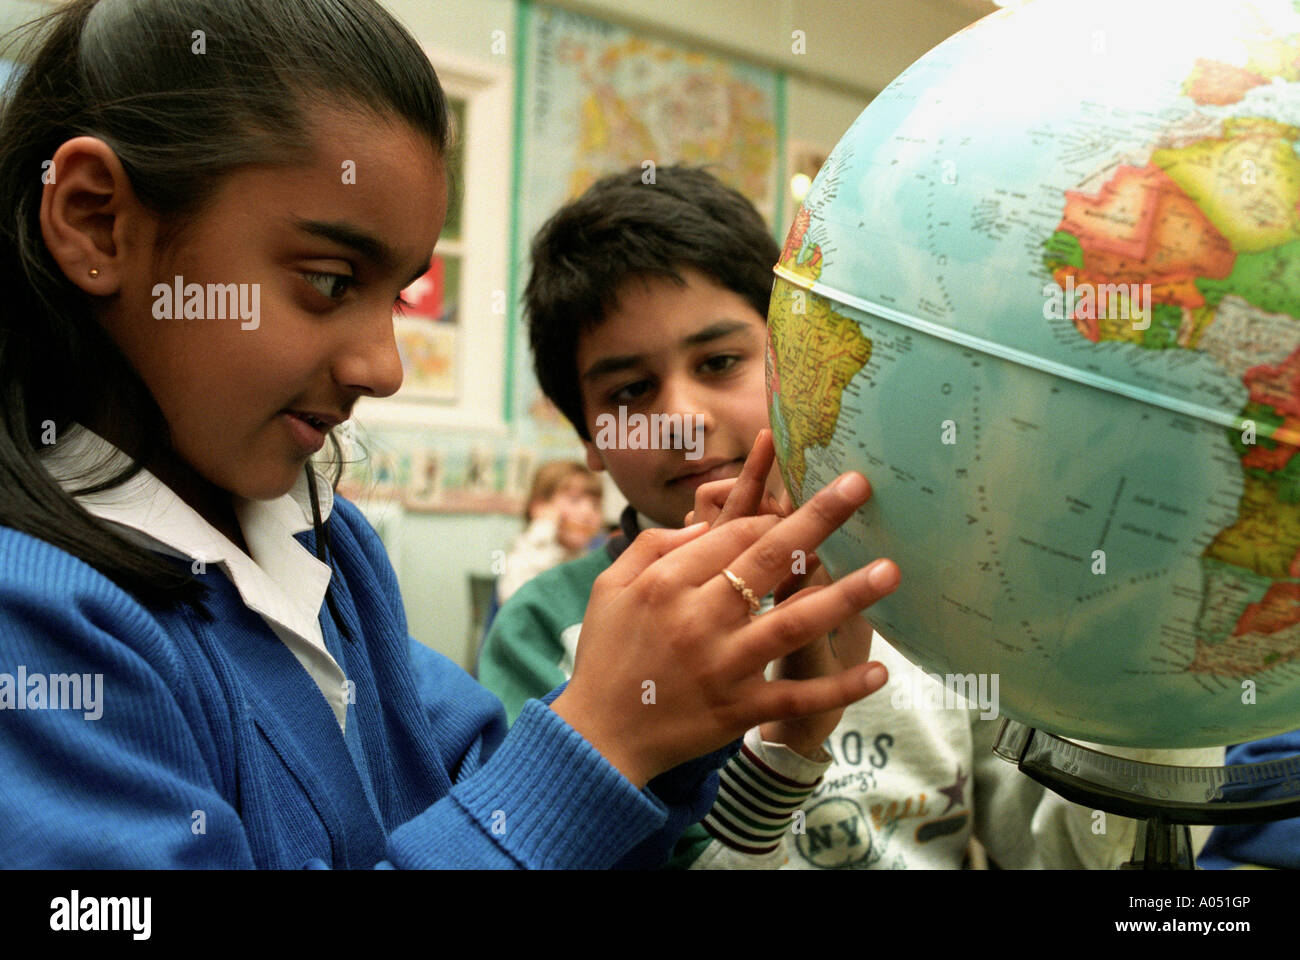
[426,329]
[597,98]
[437,473]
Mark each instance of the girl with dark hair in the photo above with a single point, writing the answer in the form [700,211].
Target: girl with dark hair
[207,210]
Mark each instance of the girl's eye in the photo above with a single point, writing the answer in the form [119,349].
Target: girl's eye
[632,391]
[329,285]
[401,304]
[723,361]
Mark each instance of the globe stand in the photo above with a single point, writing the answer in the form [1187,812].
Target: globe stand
[1164,800]
[1161,845]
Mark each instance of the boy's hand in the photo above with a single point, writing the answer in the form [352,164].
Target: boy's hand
[671,661]
[850,646]
[745,495]
[842,649]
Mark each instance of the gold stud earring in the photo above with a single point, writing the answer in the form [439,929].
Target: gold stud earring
[94,272]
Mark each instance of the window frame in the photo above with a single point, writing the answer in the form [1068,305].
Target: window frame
[483,250]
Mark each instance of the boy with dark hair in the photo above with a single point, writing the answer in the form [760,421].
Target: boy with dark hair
[620,231]
[621,257]
[653,298]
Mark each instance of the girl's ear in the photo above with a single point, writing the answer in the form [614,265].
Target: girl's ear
[87,208]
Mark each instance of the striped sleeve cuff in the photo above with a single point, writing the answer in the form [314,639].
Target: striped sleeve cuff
[758,792]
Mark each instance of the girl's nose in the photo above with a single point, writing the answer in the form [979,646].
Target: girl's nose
[369,363]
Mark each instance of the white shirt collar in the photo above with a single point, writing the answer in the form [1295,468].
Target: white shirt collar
[278,578]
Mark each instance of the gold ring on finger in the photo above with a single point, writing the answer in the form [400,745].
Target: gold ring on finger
[743,589]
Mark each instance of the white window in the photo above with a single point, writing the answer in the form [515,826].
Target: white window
[453,344]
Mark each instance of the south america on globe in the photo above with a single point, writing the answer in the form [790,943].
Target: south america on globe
[1045,295]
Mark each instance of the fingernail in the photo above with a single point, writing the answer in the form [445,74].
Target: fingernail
[883,576]
[876,677]
[852,485]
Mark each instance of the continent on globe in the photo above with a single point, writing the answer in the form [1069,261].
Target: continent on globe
[1141,228]
[1279,609]
[1266,456]
[1277,387]
[1213,83]
[1219,84]
[1265,539]
[1267,278]
[1243,336]
[1208,220]
[1274,56]
[1247,624]
[800,257]
[1247,182]
[1266,536]
[819,350]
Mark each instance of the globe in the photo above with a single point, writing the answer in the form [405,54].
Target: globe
[1045,295]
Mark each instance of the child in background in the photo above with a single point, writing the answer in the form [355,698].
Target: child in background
[655,297]
[255,705]
[563,517]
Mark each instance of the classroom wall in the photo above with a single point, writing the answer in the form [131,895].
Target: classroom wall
[854,48]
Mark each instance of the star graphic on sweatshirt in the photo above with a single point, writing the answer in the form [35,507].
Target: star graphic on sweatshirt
[956,793]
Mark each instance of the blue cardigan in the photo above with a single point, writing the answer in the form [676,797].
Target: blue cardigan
[216,749]
[1272,844]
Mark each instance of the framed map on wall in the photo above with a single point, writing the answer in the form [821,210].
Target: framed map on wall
[595,98]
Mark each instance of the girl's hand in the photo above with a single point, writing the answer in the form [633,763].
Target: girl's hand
[722,500]
[671,662]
